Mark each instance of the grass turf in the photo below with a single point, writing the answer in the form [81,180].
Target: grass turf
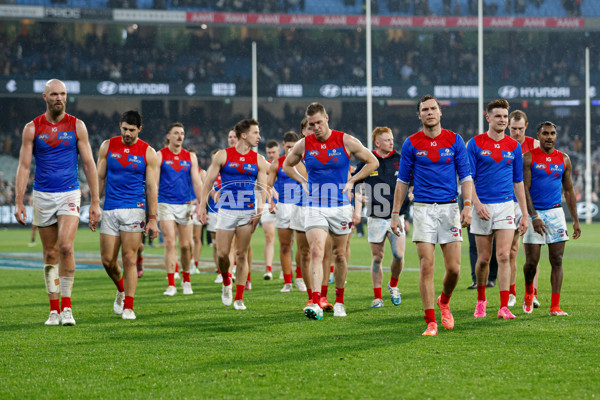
[194,347]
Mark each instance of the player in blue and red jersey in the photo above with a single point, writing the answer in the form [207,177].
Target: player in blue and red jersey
[268,219]
[178,176]
[243,177]
[326,154]
[497,167]
[432,158]
[545,172]
[128,169]
[517,125]
[289,195]
[55,139]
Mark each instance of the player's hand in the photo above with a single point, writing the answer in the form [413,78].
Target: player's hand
[466,216]
[152,226]
[304,185]
[20,213]
[272,207]
[202,215]
[255,220]
[356,219]
[94,216]
[396,226]
[538,225]
[482,211]
[576,230]
[524,225]
[348,187]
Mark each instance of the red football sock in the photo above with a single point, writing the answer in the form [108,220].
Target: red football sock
[287,278]
[128,303]
[513,290]
[120,285]
[555,300]
[196,263]
[66,302]
[339,295]
[139,260]
[430,315]
[393,281]
[269,269]
[186,276]
[445,298]
[331,269]
[529,288]
[377,292]
[226,278]
[480,292]
[324,290]
[309,292]
[535,292]
[176,267]
[315,297]
[503,298]
[239,292]
[299,273]
[171,278]
[55,305]
[249,277]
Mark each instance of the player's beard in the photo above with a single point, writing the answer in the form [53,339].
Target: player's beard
[128,140]
[55,109]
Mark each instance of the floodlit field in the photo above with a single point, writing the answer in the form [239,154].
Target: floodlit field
[194,347]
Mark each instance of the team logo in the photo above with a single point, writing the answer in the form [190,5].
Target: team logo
[66,143]
[177,158]
[344,224]
[456,232]
[510,219]
[496,146]
[44,136]
[323,146]
[540,166]
[448,160]
[54,129]
[242,159]
[115,155]
[314,153]
[126,150]
[434,144]
[169,162]
[140,205]
[421,153]
[561,232]
[234,165]
[556,174]
[486,153]
[548,159]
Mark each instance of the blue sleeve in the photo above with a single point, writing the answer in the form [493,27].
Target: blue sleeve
[518,165]
[462,163]
[407,162]
[472,154]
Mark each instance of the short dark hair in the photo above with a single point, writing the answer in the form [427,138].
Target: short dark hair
[425,98]
[244,126]
[498,103]
[171,126]
[315,108]
[132,117]
[272,143]
[290,136]
[545,123]
[303,124]
[518,115]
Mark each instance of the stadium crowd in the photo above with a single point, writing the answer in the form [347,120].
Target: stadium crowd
[294,56]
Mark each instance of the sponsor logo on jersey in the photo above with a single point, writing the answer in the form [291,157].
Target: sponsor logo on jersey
[334,153]
[555,168]
[249,167]
[508,154]
[422,153]
[446,153]
[134,159]
[184,163]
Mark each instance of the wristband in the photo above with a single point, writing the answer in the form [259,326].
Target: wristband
[396,212]
[471,207]
[533,218]
[467,203]
[152,217]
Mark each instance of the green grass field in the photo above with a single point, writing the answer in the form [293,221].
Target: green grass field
[194,347]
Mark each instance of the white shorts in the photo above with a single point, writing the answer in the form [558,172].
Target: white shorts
[180,213]
[436,223]
[337,220]
[211,219]
[378,228]
[298,218]
[48,205]
[556,228]
[518,214]
[268,216]
[502,216]
[123,220]
[284,215]
[229,220]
